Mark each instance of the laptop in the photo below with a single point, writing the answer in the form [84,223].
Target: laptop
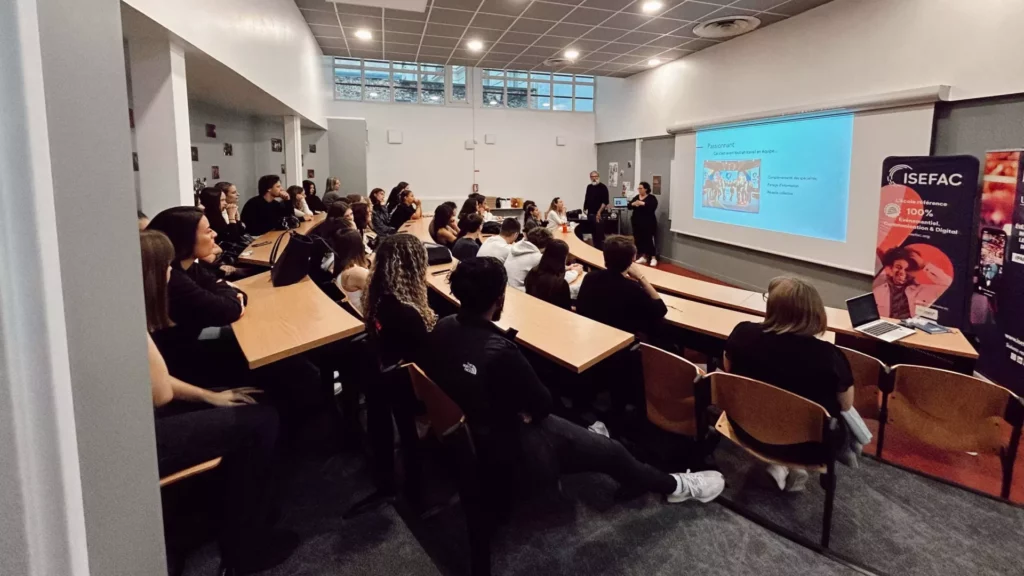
[620,202]
[864,316]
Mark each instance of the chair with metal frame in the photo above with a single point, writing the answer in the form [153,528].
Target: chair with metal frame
[956,412]
[776,427]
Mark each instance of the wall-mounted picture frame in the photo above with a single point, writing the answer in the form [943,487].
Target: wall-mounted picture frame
[656,185]
[215,172]
[282,169]
[276,145]
[312,148]
[211,130]
[229,150]
[195,154]
[135,161]
[310,174]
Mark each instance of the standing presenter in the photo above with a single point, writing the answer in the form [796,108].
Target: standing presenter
[644,218]
[594,203]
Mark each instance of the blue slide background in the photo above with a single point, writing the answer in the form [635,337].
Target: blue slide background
[818,148]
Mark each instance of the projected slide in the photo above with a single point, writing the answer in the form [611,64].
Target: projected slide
[791,177]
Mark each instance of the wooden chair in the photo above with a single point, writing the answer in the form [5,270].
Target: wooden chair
[956,412]
[669,390]
[773,417]
[448,424]
[871,384]
[189,472]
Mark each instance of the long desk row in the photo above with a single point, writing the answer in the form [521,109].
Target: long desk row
[258,252]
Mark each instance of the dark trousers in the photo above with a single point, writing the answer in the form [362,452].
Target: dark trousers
[555,446]
[643,237]
[245,437]
[390,404]
[596,230]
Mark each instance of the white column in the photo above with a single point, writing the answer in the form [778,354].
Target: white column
[295,172]
[161,122]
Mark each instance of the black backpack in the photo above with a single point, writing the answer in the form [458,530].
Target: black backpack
[292,264]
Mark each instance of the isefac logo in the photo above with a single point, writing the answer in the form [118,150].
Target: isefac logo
[904,174]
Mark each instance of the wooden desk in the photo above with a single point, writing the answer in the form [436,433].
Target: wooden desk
[285,321]
[260,255]
[418,228]
[710,320]
[952,344]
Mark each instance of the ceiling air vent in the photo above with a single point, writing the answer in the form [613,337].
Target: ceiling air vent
[726,27]
[557,61]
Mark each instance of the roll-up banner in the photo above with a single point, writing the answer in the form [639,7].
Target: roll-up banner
[925,224]
[997,301]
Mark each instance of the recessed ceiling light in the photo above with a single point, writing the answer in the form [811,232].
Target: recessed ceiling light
[654,62]
[475,45]
[364,34]
[652,6]
[572,54]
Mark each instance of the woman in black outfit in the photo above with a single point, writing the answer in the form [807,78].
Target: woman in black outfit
[547,280]
[230,426]
[442,228]
[472,205]
[468,240]
[380,218]
[644,220]
[312,200]
[214,202]
[393,198]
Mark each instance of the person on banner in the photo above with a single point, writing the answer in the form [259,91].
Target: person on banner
[897,290]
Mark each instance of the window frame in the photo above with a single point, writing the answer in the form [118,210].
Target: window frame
[420,70]
[535,101]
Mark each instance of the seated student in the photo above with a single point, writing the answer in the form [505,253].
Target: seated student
[407,209]
[264,212]
[784,350]
[143,220]
[621,296]
[547,280]
[531,216]
[485,209]
[379,217]
[215,205]
[194,425]
[508,408]
[525,255]
[232,212]
[312,200]
[442,228]
[340,210]
[351,268]
[556,214]
[469,238]
[332,192]
[299,206]
[499,246]
[354,199]
[472,205]
[361,219]
[395,197]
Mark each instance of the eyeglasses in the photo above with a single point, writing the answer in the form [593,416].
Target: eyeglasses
[764,296]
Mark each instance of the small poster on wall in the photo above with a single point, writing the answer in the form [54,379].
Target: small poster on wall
[195,154]
[613,174]
[215,172]
[310,174]
[276,145]
[656,185]
[229,150]
[627,187]
[135,161]
[312,148]
[282,169]
[211,131]
[131,119]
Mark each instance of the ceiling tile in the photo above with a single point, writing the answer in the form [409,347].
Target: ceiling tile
[756,4]
[530,60]
[666,5]
[331,42]
[638,37]
[531,26]
[608,4]
[434,51]
[626,21]
[335,51]
[350,33]
[463,53]
[325,30]
[630,59]
[794,7]
[400,52]
[698,44]
[584,45]
[691,11]
[316,4]
[506,7]
[493,21]
[647,51]
[553,41]
[542,51]
[616,48]
[662,26]
[400,38]
[404,26]
[546,11]
[602,33]
[675,53]
[319,17]
[462,61]
[519,38]
[444,30]
[719,2]
[371,45]
[470,5]
[732,11]
[368,54]
[506,48]
[589,16]
[349,21]
[454,17]
[569,30]
[357,10]
[494,63]
[686,31]
[405,15]
[485,34]
[768,19]
[667,41]
[441,41]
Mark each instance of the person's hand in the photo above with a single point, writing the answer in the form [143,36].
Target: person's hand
[233,397]
[232,210]
[576,267]
[635,272]
[241,301]
[307,218]
[228,270]
[526,418]
[638,203]
[597,218]
[285,195]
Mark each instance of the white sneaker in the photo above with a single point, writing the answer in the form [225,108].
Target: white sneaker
[598,427]
[779,474]
[797,480]
[641,260]
[654,261]
[704,486]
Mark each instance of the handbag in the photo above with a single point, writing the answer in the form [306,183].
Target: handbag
[292,264]
[437,254]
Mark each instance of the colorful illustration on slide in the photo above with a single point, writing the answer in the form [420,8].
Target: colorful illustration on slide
[732,185]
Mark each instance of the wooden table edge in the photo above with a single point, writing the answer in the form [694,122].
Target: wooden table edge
[260,362]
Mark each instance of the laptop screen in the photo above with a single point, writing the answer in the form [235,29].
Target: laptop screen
[620,202]
[863,309]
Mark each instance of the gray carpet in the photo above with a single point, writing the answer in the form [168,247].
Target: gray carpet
[886,519]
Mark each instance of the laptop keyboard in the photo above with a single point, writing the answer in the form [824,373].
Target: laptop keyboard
[879,329]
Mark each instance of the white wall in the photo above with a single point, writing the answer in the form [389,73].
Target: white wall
[524,162]
[841,49]
[266,41]
[318,162]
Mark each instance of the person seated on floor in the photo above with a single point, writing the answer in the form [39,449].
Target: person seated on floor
[442,228]
[499,245]
[265,211]
[406,210]
[531,216]
[194,425]
[785,350]
[620,295]
[547,280]
[312,200]
[509,409]
[525,255]
[299,207]
[379,217]
[351,267]
[340,210]
[557,215]
[469,238]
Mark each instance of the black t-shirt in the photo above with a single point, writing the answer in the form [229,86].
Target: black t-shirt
[597,194]
[551,288]
[646,215]
[261,216]
[402,215]
[611,298]
[804,365]
[465,248]
[400,332]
